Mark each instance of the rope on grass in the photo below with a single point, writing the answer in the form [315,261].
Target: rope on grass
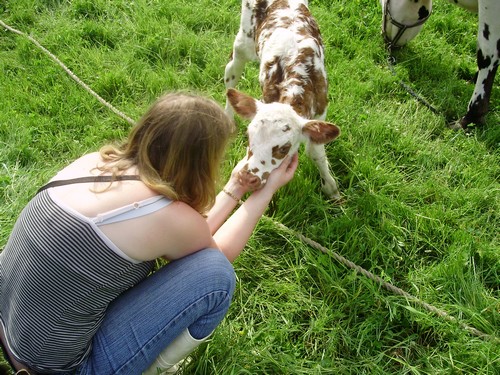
[70,73]
[383,283]
[300,236]
[391,61]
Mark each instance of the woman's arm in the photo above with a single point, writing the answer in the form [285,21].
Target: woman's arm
[233,235]
[227,199]
[225,202]
[188,231]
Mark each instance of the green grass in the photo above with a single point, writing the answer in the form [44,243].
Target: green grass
[421,203]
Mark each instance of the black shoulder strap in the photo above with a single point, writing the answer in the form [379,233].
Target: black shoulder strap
[88,179]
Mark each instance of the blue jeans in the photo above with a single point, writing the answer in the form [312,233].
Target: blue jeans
[193,292]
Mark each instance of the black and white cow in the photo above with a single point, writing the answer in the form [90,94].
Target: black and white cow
[402,20]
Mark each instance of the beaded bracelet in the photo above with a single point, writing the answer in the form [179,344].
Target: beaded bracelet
[231,195]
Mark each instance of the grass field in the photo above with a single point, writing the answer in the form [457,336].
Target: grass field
[422,202]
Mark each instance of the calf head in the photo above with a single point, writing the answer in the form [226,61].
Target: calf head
[275,131]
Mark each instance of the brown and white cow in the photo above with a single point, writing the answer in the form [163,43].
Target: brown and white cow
[285,38]
[402,20]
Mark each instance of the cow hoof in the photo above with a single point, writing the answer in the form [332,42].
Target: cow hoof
[338,200]
[332,193]
[455,125]
[462,124]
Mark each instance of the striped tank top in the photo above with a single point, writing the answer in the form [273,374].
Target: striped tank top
[58,273]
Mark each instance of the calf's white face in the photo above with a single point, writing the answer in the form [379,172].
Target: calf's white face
[274,132]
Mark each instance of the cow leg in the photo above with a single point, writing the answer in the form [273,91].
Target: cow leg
[318,155]
[488,54]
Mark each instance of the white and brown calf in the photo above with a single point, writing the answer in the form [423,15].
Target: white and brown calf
[403,19]
[285,38]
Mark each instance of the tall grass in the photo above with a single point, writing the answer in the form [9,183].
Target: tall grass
[421,205]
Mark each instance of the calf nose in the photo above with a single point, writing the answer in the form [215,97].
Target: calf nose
[249,179]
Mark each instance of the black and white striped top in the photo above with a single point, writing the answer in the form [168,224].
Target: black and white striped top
[57,277]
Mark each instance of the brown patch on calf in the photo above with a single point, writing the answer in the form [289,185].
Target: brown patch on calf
[310,28]
[313,100]
[271,20]
[279,152]
[260,10]
[271,88]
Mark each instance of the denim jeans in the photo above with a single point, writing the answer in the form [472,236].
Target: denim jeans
[193,292]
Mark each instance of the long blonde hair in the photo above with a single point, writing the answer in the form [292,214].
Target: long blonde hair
[177,147]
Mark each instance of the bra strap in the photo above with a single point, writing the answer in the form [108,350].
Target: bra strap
[88,179]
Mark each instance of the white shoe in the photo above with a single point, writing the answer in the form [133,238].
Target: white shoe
[173,356]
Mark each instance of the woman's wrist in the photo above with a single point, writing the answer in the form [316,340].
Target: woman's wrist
[234,190]
[235,198]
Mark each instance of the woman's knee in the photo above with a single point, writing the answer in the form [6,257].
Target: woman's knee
[208,269]
[217,279]
[217,269]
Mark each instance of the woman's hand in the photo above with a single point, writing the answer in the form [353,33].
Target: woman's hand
[278,177]
[233,235]
[234,185]
[237,169]
[283,174]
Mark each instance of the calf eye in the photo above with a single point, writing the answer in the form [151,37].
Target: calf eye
[279,152]
[284,149]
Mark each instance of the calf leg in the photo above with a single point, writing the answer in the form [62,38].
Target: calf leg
[239,57]
[243,51]
[236,66]
[317,153]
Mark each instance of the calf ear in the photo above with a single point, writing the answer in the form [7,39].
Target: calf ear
[244,105]
[320,131]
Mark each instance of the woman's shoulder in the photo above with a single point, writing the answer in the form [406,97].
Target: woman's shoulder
[182,216]
[83,166]
[94,198]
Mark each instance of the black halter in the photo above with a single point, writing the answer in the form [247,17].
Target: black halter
[401,26]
